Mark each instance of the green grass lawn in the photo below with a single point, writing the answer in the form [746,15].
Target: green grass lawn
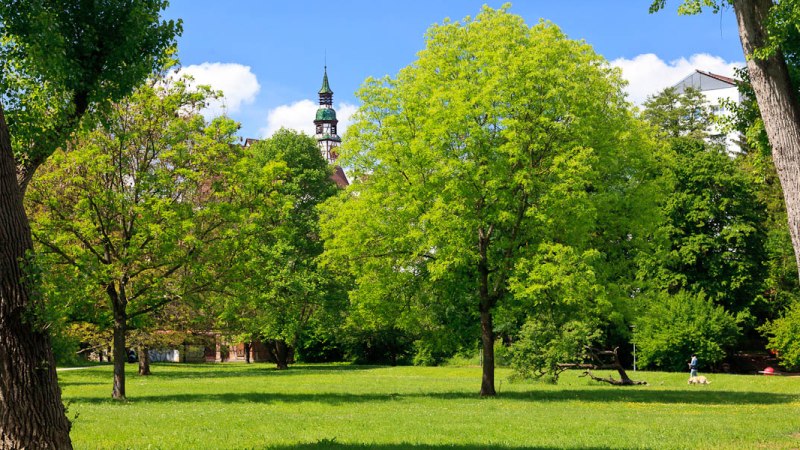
[358,407]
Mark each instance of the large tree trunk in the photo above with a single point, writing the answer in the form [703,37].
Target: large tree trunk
[487,362]
[281,354]
[144,360]
[487,325]
[247,348]
[778,104]
[31,412]
[120,354]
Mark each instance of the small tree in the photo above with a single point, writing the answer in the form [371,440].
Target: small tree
[281,287]
[137,206]
[679,114]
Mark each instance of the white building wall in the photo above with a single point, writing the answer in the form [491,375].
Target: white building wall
[715,91]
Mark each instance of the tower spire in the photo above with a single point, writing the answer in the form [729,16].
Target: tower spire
[325,121]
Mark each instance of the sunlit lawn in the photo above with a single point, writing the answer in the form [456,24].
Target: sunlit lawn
[357,407]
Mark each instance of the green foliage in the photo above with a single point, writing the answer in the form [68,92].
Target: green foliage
[61,57]
[780,28]
[713,235]
[87,47]
[673,327]
[781,288]
[541,346]
[279,286]
[689,7]
[783,337]
[317,344]
[500,139]
[679,114]
[777,32]
[388,345]
[131,217]
[564,304]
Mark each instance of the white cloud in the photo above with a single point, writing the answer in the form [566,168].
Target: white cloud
[648,74]
[344,112]
[238,84]
[300,115]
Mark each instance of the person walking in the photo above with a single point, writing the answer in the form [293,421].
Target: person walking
[693,366]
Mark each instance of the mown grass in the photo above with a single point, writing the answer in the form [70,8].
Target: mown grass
[237,406]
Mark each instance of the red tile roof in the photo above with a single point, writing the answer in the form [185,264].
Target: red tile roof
[722,78]
[339,177]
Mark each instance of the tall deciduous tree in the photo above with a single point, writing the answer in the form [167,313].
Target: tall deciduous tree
[137,205]
[498,140]
[713,232]
[59,58]
[282,286]
[782,296]
[710,253]
[763,26]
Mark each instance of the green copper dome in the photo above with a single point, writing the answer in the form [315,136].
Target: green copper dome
[326,114]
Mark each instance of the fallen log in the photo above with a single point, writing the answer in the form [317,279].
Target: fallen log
[615,364]
[610,380]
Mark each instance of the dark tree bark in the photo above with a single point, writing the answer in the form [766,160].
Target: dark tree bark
[281,354]
[487,325]
[247,347]
[31,412]
[487,362]
[144,360]
[120,329]
[778,104]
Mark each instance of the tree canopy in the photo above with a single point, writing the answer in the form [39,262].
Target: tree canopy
[137,208]
[279,286]
[500,141]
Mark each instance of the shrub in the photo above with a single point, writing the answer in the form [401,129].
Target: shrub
[784,337]
[673,327]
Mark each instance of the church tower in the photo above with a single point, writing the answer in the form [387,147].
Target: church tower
[325,122]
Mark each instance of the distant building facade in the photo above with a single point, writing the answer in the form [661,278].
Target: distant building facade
[715,88]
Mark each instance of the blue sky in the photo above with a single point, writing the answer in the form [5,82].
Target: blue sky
[268,55]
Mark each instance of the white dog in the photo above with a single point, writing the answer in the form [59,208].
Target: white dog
[699,380]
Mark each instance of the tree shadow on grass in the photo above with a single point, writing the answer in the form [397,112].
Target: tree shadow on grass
[213,370]
[332,444]
[81,383]
[585,395]
[238,370]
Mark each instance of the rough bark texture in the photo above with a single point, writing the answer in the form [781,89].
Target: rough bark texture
[144,360]
[487,363]
[120,354]
[281,354]
[487,325]
[31,412]
[778,104]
